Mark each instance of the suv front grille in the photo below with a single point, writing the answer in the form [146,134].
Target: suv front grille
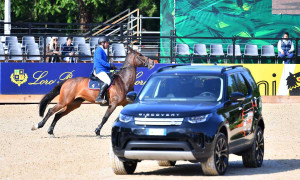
[158,121]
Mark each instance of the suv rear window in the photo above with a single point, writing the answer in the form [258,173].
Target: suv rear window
[241,84]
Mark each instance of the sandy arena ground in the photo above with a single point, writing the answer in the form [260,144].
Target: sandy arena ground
[76,153]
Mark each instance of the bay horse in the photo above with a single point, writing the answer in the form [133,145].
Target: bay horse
[73,92]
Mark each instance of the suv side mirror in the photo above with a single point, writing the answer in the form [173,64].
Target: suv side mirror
[237,97]
[131,96]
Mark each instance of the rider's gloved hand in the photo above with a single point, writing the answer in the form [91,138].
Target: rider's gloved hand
[113,67]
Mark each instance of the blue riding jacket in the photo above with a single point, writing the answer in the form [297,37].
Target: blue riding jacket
[100,61]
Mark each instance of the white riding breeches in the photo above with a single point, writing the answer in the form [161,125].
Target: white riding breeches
[103,77]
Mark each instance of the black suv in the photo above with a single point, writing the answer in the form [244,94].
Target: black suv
[192,113]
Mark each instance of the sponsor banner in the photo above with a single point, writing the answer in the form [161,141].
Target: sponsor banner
[275,79]
[40,78]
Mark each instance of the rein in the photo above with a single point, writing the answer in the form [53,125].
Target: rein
[144,62]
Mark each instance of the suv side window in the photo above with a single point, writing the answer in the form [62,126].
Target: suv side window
[231,87]
[241,84]
[247,75]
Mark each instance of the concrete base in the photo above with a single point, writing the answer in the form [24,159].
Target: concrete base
[37,98]
[23,98]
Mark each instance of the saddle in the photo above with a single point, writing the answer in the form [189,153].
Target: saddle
[96,84]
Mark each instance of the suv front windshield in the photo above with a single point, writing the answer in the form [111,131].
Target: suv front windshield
[183,88]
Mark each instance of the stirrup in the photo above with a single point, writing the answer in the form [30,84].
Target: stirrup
[100,101]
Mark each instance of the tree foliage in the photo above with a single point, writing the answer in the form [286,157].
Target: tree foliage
[76,11]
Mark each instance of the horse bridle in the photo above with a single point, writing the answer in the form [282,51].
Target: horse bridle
[145,63]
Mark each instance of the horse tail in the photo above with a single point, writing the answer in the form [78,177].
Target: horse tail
[49,97]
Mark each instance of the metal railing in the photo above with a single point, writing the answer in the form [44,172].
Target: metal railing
[163,48]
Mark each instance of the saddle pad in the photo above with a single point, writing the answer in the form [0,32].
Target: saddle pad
[95,84]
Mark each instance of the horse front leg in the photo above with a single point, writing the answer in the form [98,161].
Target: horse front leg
[109,111]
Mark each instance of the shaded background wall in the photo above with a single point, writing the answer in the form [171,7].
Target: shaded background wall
[228,18]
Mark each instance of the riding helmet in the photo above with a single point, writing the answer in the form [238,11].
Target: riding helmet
[103,39]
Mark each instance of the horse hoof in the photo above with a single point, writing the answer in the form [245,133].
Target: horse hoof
[97,132]
[34,127]
[52,136]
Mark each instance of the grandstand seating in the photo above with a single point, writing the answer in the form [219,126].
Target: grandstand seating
[15,55]
[151,51]
[251,50]
[31,47]
[33,55]
[94,42]
[14,44]
[182,49]
[84,50]
[77,41]
[117,47]
[41,41]
[119,53]
[200,50]
[2,52]
[61,40]
[267,51]
[217,50]
[27,40]
[10,39]
[237,52]
[2,39]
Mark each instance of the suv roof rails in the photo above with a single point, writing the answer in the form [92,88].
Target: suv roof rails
[230,67]
[171,66]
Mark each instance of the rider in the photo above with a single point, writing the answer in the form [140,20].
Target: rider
[102,67]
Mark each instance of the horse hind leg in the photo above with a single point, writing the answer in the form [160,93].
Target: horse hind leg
[76,104]
[50,112]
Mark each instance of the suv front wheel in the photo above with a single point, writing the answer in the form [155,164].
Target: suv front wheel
[217,163]
[120,167]
[255,155]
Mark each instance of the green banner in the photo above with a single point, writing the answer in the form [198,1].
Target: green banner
[226,18]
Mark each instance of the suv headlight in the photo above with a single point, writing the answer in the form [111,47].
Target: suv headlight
[124,118]
[197,119]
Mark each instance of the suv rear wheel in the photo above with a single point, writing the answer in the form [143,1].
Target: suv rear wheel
[120,167]
[217,163]
[166,163]
[255,155]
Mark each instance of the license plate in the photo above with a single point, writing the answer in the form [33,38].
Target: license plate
[156,132]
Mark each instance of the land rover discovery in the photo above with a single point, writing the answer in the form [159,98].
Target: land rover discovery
[192,113]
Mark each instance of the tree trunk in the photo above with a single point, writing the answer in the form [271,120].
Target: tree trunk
[84,15]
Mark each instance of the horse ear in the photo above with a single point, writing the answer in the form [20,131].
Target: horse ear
[131,50]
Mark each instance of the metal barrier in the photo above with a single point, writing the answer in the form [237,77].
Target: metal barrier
[160,48]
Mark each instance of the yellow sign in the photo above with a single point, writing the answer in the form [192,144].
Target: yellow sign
[275,79]
[18,77]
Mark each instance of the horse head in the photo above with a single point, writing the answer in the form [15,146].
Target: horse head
[140,60]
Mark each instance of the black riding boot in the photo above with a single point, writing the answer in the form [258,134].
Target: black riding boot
[100,98]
